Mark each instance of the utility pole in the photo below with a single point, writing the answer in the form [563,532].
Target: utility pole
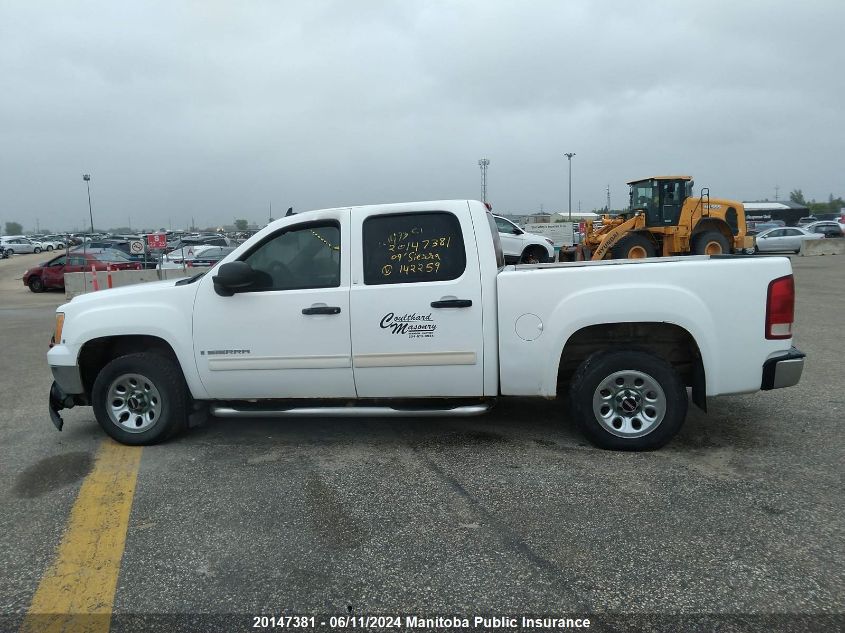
[569,155]
[608,198]
[777,188]
[484,163]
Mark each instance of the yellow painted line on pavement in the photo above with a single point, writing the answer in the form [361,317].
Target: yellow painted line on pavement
[76,592]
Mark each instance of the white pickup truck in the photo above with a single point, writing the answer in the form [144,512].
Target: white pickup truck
[409,310]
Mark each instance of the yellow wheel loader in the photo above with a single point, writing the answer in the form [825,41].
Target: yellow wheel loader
[665,219]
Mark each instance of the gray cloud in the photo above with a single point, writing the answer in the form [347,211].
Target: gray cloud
[213,110]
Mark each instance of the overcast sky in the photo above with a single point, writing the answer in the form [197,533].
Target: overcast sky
[215,110]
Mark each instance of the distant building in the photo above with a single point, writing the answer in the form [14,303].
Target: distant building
[788,212]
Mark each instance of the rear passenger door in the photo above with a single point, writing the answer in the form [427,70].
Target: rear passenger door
[415,302]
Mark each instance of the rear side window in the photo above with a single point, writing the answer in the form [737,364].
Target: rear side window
[412,247]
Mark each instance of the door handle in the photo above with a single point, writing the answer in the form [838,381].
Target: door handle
[452,303]
[321,310]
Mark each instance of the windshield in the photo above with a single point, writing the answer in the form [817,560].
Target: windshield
[644,195]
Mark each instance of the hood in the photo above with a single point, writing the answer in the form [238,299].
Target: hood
[127,292]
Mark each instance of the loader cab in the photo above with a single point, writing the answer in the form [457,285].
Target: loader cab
[660,199]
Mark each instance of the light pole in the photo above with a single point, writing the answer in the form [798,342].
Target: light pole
[87,179]
[569,155]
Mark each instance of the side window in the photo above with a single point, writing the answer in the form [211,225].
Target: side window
[413,247]
[504,226]
[777,233]
[76,261]
[304,256]
[59,261]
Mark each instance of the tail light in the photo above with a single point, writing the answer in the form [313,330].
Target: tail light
[780,308]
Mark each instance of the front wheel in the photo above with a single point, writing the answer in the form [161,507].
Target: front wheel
[141,399]
[628,400]
[36,284]
[634,246]
[534,255]
[36,250]
[711,243]
[49,248]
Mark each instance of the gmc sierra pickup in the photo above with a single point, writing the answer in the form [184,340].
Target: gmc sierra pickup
[409,310]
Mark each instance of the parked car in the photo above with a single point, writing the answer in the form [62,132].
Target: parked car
[22,245]
[145,261]
[408,310]
[786,238]
[199,240]
[807,220]
[51,274]
[5,253]
[755,228]
[48,244]
[828,228]
[520,246]
[195,256]
[58,241]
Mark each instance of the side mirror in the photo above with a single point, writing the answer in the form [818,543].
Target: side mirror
[516,230]
[233,277]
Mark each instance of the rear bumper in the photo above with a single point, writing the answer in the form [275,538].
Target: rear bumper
[783,371]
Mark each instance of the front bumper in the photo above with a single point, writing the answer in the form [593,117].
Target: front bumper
[66,391]
[784,370]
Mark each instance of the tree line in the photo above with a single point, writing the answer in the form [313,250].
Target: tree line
[833,205]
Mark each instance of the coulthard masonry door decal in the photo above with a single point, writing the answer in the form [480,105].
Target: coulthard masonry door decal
[412,325]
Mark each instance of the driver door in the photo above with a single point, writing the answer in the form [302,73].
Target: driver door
[288,335]
[53,274]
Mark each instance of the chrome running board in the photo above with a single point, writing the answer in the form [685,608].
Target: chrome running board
[233,411]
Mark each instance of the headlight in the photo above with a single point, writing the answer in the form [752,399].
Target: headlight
[60,322]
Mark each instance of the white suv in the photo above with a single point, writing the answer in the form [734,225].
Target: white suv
[522,247]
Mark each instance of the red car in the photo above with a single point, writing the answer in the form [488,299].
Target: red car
[52,274]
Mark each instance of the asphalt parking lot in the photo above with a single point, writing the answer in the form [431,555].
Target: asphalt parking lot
[508,513]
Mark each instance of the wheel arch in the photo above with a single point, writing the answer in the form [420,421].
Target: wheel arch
[712,224]
[668,341]
[96,353]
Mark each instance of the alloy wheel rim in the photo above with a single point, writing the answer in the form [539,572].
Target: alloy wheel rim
[133,403]
[629,404]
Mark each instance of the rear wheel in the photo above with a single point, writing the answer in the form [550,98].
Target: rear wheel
[534,255]
[37,249]
[49,248]
[710,243]
[36,284]
[140,399]
[634,246]
[628,400]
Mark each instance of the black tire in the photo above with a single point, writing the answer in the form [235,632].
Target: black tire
[756,250]
[710,243]
[158,375]
[633,246]
[36,284]
[37,249]
[49,248]
[534,254]
[659,415]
